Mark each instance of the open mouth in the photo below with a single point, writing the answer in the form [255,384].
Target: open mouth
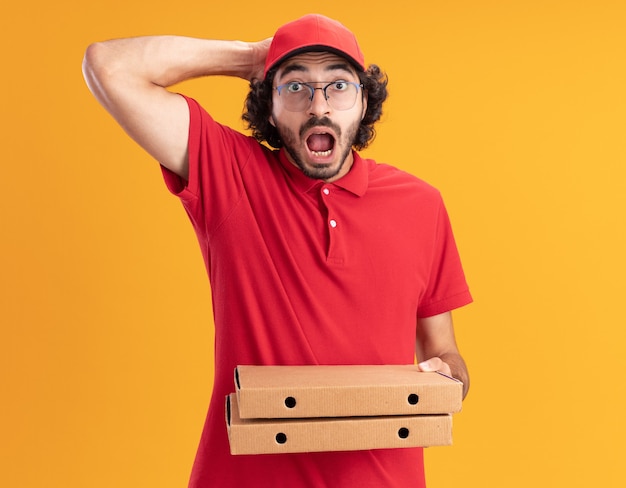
[321,144]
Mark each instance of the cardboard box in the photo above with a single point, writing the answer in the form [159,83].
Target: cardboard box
[343,391]
[274,436]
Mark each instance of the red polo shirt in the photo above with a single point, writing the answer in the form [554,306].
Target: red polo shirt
[308,272]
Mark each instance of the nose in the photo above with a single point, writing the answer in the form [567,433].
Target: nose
[319,105]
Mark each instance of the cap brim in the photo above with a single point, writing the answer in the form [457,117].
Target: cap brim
[316,48]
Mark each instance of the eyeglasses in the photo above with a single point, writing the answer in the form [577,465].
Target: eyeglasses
[297,95]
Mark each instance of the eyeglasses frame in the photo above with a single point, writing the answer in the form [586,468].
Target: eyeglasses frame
[323,89]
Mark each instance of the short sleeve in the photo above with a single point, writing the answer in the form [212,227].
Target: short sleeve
[447,287]
[217,155]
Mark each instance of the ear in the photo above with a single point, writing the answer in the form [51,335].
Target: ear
[270,118]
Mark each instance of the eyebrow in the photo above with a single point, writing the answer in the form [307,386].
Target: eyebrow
[303,69]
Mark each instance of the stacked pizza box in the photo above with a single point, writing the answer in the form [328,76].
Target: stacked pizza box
[285,409]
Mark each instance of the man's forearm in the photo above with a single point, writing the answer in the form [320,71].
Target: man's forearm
[167,60]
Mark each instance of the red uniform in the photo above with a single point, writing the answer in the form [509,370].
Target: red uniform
[308,272]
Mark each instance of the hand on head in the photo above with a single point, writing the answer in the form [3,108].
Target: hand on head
[259,55]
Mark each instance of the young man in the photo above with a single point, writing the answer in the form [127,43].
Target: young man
[315,255]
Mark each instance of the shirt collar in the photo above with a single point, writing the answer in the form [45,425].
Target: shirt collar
[355,181]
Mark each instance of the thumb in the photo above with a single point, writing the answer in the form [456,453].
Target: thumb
[434,364]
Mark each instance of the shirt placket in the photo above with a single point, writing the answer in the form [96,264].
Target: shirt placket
[334,254]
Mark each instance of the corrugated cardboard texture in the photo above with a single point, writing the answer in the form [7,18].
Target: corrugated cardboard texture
[343,391]
[273,436]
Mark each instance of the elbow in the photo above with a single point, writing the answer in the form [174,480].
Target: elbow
[91,54]
[102,70]
[94,65]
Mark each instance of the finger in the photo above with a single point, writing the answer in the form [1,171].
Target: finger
[435,364]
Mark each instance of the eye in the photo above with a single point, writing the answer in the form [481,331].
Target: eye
[340,85]
[294,87]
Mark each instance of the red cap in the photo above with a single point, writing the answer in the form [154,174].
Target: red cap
[313,32]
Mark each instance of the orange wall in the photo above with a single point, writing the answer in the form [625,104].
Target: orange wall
[514,109]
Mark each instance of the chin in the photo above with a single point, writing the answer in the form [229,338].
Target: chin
[322,172]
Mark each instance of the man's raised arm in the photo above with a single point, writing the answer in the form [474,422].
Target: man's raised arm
[129,77]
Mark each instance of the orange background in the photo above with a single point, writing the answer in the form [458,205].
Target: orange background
[514,109]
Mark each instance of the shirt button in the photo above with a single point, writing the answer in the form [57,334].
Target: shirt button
[333,223]
[326,191]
